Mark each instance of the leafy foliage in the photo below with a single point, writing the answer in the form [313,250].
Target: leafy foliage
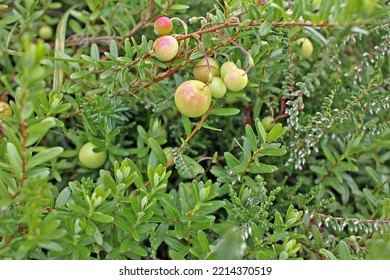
[316,186]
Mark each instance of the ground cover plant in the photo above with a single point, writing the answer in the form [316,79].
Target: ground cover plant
[151,129]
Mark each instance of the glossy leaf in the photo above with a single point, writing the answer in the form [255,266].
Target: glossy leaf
[225,111]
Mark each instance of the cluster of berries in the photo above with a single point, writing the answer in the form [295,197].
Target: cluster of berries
[193,97]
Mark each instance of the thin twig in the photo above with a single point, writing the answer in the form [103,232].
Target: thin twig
[247,54]
[193,132]
[196,36]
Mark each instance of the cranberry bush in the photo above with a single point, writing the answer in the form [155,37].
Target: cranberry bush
[169,97]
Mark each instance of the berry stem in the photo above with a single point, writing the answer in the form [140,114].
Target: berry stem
[151,8]
[247,54]
[253,24]
[185,27]
[196,36]
[193,132]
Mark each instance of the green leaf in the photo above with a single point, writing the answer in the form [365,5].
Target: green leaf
[274,152]
[59,49]
[260,131]
[63,197]
[8,20]
[283,255]
[370,197]
[186,124]
[142,134]
[95,52]
[108,182]
[255,232]
[316,34]
[44,156]
[319,170]
[191,168]
[231,160]
[161,233]
[276,132]
[327,254]
[49,226]
[122,223]
[37,131]
[265,28]
[329,155]
[175,255]
[176,244]
[107,74]
[279,223]
[203,241]
[124,246]
[79,74]
[135,203]
[206,126]
[137,249]
[343,250]
[50,245]
[386,208]
[172,211]
[102,218]
[27,110]
[238,169]
[88,58]
[195,55]
[113,48]
[276,237]
[257,168]
[324,10]
[225,111]
[211,206]
[6,200]
[179,7]
[251,138]
[319,241]
[355,150]
[15,159]
[374,175]
[158,151]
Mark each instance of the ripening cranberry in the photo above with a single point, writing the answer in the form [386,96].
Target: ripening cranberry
[268,123]
[193,98]
[227,67]
[166,47]
[163,26]
[305,47]
[236,80]
[217,87]
[91,159]
[201,70]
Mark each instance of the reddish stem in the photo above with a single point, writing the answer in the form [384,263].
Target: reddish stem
[247,54]
[196,36]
